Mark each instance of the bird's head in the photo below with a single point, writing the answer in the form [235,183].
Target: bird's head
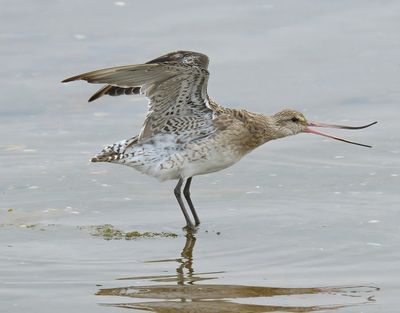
[291,122]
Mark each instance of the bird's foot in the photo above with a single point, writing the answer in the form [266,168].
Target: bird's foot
[190,228]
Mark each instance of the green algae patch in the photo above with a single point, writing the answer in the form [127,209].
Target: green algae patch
[109,232]
[147,234]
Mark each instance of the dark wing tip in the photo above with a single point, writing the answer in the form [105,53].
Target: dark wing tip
[70,79]
[99,93]
[94,97]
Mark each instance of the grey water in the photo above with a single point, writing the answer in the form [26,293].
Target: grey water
[301,224]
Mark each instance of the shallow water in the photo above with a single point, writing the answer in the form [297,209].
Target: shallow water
[302,224]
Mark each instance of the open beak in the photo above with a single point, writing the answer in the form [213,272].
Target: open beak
[315,124]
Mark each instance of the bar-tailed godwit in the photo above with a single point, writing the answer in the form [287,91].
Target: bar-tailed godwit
[186,133]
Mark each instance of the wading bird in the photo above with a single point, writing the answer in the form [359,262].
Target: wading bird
[186,133]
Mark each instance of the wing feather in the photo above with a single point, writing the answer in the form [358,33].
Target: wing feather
[175,84]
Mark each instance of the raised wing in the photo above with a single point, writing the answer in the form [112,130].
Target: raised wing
[175,84]
[202,62]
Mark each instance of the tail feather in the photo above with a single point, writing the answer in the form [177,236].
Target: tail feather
[108,154]
[114,152]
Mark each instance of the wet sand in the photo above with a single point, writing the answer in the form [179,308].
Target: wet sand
[302,224]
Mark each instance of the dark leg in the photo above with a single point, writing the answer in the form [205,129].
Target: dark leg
[178,196]
[186,193]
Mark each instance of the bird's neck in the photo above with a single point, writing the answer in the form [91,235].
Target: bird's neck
[262,128]
[272,130]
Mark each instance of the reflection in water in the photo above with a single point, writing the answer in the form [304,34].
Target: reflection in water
[215,306]
[186,296]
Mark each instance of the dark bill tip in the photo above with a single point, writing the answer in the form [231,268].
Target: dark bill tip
[312,131]
[316,124]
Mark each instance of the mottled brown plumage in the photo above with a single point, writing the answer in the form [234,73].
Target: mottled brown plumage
[185,133]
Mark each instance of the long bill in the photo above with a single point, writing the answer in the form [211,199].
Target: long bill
[315,124]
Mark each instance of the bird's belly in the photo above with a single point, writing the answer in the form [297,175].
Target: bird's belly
[164,159]
[214,160]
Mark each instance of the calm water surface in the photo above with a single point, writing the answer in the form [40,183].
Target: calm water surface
[302,224]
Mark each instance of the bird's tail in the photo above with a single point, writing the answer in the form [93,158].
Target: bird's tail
[106,155]
[114,152]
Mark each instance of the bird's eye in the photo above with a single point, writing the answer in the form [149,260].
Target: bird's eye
[294,119]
